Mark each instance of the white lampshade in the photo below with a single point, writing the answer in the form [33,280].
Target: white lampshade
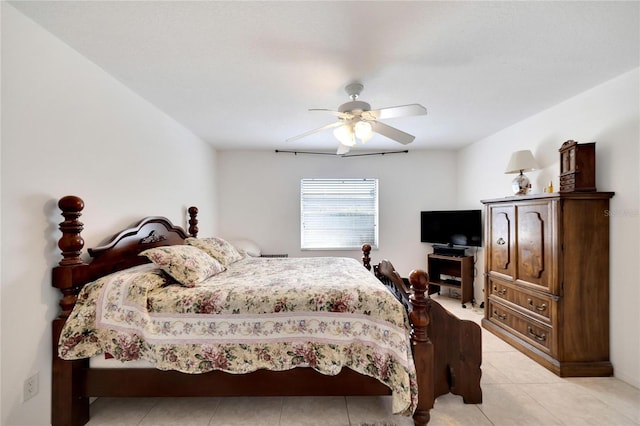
[363,131]
[345,135]
[521,161]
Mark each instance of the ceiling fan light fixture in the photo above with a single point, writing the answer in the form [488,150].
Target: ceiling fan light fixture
[363,131]
[345,135]
[357,122]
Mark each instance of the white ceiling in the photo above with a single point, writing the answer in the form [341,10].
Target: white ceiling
[242,75]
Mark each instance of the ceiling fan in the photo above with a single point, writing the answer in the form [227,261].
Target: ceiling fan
[357,121]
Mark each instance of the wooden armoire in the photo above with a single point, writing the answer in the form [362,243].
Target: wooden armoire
[546,287]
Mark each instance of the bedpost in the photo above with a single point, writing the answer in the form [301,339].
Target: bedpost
[423,354]
[193,221]
[68,406]
[65,276]
[71,242]
[366,260]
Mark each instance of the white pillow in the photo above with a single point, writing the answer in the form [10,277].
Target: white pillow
[248,247]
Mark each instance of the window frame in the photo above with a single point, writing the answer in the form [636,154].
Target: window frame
[368,209]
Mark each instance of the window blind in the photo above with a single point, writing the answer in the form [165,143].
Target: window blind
[338,213]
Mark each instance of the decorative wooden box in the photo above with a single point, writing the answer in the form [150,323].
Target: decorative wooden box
[577,167]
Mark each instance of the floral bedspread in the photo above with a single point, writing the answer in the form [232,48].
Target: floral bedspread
[261,313]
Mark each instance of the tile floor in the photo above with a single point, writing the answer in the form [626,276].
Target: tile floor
[516,391]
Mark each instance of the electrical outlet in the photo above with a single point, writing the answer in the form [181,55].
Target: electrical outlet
[30,387]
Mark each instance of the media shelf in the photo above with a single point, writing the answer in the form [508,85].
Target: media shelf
[452,272]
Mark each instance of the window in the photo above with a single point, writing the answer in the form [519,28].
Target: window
[338,213]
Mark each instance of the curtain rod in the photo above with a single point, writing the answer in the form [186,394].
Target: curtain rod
[344,155]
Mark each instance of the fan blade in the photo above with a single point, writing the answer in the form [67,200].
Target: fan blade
[397,111]
[392,133]
[319,129]
[342,115]
[343,149]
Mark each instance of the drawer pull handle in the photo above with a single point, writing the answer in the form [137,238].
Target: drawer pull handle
[500,292]
[540,337]
[503,317]
[500,241]
[540,308]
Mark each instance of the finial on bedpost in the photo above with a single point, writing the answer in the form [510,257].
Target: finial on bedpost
[366,260]
[71,243]
[193,221]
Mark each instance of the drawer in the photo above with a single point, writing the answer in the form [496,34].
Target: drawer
[528,329]
[567,182]
[568,179]
[540,304]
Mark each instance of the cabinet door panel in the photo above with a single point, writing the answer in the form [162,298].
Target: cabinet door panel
[501,225]
[534,245]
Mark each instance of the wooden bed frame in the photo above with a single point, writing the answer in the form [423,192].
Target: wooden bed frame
[73,382]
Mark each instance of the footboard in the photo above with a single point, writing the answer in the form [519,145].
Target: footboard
[458,357]
[456,343]
[411,293]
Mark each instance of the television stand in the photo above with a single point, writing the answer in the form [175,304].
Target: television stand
[452,272]
[449,250]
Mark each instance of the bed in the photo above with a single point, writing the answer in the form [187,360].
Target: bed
[333,367]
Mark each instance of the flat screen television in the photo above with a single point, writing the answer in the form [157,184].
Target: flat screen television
[451,227]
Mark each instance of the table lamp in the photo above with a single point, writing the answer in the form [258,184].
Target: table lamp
[521,161]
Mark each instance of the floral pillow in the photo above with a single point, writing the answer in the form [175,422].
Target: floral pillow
[217,248]
[186,264]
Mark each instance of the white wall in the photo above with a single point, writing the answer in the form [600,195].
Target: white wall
[259,196]
[609,115]
[69,128]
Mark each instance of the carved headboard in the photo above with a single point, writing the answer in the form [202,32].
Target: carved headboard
[121,252]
